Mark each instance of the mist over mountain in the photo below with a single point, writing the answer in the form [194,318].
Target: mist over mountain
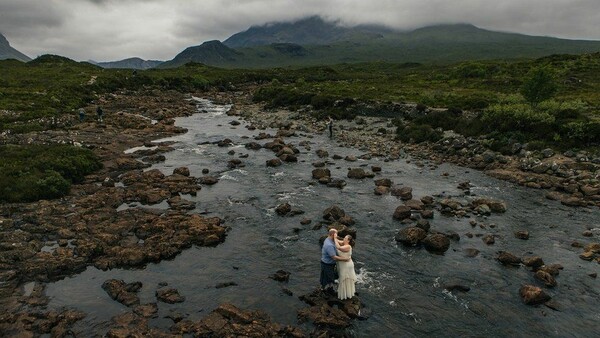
[8,52]
[310,31]
[313,41]
[129,63]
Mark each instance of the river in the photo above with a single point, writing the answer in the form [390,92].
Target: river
[402,287]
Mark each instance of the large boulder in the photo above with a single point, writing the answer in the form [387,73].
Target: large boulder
[410,236]
[494,205]
[381,190]
[546,278]
[402,212]
[386,182]
[357,173]
[322,153]
[336,183]
[320,173]
[533,262]
[533,295]
[288,158]
[281,276]
[333,213]
[253,145]
[184,171]
[208,180]
[122,292]
[225,143]
[436,243]
[170,296]
[414,204]
[405,193]
[275,162]
[283,209]
[506,258]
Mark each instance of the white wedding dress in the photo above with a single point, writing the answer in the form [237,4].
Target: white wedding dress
[346,276]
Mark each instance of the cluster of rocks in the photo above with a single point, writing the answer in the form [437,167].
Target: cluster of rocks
[570,177]
[286,209]
[545,274]
[126,294]
[336,218]
[48,240]
[330,315]
[56,323]
[591,251]
[28,315]
[323,175]
[225,321]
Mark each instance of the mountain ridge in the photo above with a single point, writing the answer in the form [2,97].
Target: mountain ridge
[308,31]
[314,41]
[129,63]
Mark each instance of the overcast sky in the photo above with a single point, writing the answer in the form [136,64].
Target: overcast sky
[108,30]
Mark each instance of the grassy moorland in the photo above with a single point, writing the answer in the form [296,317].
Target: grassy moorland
[560,109]
[493,91]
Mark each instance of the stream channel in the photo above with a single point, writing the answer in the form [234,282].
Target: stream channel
[402,287]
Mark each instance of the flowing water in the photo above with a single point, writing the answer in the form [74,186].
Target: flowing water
[402,287]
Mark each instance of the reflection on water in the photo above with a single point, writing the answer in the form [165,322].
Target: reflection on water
[403,287]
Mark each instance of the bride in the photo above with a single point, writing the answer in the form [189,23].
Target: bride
[347,276]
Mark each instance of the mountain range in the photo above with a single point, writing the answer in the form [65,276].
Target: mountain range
[314,41]
[130,63]
[8,52]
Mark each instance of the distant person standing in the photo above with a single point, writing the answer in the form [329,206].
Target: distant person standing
[99,112]
[330,127]
[81,114]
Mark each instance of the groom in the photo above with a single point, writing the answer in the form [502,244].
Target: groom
[328,258]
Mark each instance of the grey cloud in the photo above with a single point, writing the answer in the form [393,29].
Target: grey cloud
[15,15]
[159,29]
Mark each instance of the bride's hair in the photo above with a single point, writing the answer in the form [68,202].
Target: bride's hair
[350,240]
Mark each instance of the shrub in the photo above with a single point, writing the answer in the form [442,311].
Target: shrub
[566,110]
[518,117]
[418,133]
[322,101]
[539,85]
[421,107]
[581,132]
[439,119]
[29,173]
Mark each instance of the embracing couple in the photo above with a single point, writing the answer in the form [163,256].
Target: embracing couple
[336,251]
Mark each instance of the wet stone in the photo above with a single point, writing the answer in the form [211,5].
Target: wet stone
[225,285]
[281,276]
[522,234]
[533,295]
[170,296]
[506,258]
[488,239]
[471,252]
